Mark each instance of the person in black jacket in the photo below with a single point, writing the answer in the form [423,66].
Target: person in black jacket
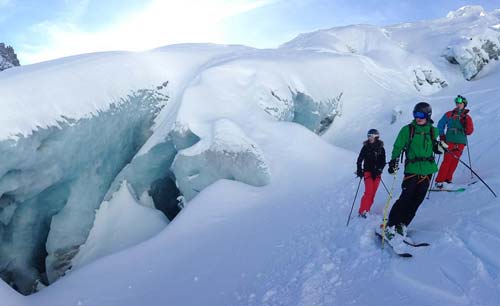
[371,162]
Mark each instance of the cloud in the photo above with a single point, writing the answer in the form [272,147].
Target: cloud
[160,23]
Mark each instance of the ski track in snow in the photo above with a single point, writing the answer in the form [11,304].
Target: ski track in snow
[333,271]
[459,268]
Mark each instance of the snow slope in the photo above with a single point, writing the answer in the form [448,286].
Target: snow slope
[283,242]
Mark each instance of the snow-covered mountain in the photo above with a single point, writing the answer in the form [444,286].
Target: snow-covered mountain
[8,57]
[256,149]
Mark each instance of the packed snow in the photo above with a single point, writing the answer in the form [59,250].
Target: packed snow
[257,150]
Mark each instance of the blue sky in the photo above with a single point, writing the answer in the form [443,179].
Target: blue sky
[42,30]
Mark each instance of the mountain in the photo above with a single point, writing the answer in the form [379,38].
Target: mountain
[8,57]
[203,174]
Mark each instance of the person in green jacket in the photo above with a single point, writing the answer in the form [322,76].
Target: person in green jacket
[418,140]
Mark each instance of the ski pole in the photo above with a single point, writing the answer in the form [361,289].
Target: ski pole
[432,181]
[384,185]
[457,158]
[349,218]
[468,154]
[384,220]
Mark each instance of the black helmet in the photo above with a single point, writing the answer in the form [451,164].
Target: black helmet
[373,133]
[461,99]
[422,108]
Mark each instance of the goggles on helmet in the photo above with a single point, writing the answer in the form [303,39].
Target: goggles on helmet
[419,115]
[459,100]
[372,135]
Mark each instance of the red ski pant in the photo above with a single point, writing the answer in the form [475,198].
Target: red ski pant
[371,186]
[450,162]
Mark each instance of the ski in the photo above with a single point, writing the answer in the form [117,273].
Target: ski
[449,190]
[416,245]
[407,255]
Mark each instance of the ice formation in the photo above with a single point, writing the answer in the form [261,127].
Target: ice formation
[229,154]
[119,223]
[52,181]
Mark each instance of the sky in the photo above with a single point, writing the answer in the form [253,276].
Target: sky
[45,30]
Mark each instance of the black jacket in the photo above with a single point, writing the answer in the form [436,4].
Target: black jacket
[372,156]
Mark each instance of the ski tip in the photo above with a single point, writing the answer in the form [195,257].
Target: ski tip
[423,244]
[405,255]
[448,190]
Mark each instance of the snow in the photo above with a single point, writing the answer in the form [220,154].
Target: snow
[108,139]
[472,54]
[119,223]
[466,11]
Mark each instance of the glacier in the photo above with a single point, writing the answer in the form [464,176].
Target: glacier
[140,141]
[223,140]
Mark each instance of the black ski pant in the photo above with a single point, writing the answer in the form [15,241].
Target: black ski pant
[414,190]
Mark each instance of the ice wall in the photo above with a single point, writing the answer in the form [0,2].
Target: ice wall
[315,115]
[52,181]
[230,154]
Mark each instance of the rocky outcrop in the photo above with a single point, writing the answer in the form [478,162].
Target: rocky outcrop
[474,53]
[426,78]
[8,57]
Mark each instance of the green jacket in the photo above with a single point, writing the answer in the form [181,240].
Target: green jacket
[421,147]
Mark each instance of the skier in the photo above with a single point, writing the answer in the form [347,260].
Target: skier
[372,156]
[453,127]
[418,140]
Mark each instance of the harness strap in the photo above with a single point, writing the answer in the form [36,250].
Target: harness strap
[409,177]
[422,178]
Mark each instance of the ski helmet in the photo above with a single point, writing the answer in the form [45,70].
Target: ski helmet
[422,110]
[373,133]
[461,99]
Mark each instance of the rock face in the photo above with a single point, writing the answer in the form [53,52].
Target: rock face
[473,53]
[427,78]
[8,57]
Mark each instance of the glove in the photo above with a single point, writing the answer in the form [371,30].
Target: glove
[393,166]
[442,137]
[436,148]
[359,173]
[442,147]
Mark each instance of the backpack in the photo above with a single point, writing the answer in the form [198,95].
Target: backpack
[407,148]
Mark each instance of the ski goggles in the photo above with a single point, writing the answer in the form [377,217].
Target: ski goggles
[459,100]
[419,115]
[372,135]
